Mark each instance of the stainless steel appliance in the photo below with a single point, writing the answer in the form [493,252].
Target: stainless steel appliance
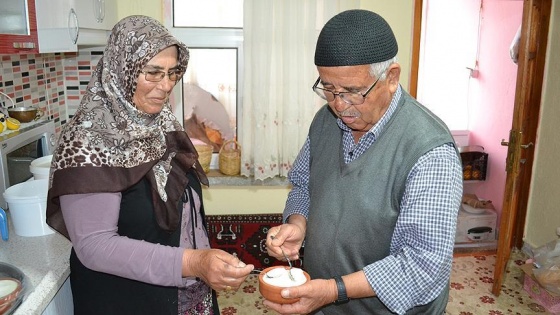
[17,150]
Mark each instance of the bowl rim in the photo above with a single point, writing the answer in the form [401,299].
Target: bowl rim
[270,288]
[12,296]
[264,271]
[22,109]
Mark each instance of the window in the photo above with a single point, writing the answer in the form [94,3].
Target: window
[276,44]
[210,94]
[209,99]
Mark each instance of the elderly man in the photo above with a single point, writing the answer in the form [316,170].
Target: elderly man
[376,186]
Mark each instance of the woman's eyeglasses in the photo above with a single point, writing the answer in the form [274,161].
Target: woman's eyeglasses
[158,75]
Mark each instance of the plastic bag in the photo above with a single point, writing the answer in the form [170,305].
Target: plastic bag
[547,263]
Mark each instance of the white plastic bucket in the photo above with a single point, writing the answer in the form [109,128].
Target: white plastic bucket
[27,203]
[40,167]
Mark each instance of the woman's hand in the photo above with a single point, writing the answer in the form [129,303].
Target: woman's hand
[219,269]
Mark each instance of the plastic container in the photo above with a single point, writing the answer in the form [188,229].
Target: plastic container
[41,167]
[4,225]
[27,203]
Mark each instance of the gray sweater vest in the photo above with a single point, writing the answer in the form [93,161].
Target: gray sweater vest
[354,207]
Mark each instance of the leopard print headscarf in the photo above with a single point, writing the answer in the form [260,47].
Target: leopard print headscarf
[108,136]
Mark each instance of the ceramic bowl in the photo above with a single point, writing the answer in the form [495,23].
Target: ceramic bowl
[272,292]
[10,301]
[8,298]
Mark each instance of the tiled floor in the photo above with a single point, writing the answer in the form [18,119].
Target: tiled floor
[472,279]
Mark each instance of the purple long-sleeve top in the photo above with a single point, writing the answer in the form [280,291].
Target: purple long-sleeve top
[91,220]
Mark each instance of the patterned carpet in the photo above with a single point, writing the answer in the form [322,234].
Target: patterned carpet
[471,285]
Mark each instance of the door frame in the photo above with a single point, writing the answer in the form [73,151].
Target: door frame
[527,103]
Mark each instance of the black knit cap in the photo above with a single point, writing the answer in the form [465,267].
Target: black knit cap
[355,37]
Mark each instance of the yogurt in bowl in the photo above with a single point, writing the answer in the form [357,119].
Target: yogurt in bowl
[273,280]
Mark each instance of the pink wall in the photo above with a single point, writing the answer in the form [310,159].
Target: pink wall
[465,33]
[493,93]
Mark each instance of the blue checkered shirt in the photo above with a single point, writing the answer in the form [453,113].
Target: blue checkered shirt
[419,264]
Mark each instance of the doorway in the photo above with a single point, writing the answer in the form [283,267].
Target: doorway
[517,164]
[467,77]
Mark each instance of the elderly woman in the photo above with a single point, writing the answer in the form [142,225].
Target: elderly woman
[126,188]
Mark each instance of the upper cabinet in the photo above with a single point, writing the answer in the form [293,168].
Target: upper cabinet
[18,27]
[97,14]
[63,25]
[55,25]
[96,19]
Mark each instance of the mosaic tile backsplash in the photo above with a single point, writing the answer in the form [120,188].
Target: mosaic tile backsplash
[54,83]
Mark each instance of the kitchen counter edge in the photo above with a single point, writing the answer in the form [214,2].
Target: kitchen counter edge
[45,262]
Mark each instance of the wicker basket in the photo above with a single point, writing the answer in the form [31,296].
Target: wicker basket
[475,162]
[230,158]
[204,156]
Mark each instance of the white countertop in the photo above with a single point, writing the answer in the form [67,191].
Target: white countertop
[45,262]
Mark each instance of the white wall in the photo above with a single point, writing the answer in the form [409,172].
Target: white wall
[400,16]
[142,7]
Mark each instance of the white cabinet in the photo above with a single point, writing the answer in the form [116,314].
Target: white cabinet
[57,25]
[97,14]
[96,19]
[63,25]
[62,303]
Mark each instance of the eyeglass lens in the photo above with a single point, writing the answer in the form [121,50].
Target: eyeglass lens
[156,76]
[347,97]
[351,98]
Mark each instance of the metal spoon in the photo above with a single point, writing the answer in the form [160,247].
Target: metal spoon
[288,260]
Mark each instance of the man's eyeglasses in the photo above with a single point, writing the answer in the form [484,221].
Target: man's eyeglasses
[350,98]
[158,75]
